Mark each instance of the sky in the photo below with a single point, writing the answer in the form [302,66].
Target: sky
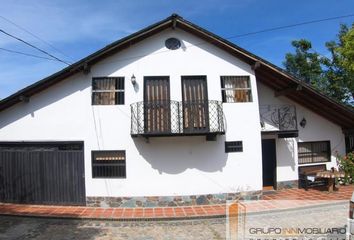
[71,30]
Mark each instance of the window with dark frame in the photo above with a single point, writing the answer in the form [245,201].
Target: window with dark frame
[314,152]
[349,143]
[108,164]
[108,91]
[234,146]
[236,89]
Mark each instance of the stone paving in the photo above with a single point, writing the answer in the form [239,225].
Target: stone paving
[24,228]
[284,199]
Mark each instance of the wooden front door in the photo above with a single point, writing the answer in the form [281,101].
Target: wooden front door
[195,104]
[157,116]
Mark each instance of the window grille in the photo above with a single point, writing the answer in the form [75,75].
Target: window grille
[108,164]
[314,152]
[108,91]
[234,146]
[236,89]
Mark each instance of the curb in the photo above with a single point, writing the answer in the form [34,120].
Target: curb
[152,219]
[183,218]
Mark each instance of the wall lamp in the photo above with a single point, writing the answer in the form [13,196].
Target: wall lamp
[303,122]
[133,80]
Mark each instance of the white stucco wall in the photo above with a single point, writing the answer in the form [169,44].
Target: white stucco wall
[164,166]
[316,129]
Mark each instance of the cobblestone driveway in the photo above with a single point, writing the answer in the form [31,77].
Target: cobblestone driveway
[38,228]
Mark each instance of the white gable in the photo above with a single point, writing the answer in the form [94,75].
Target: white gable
[64,112]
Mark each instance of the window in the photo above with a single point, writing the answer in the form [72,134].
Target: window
[108,164]
[235,146]
[349,143]
[236,89]
[108,91]
[314,152]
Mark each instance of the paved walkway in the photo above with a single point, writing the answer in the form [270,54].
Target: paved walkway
[277,200]
[29,228]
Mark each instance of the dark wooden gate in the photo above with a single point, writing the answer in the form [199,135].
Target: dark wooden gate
[157,114]
[38,173]
[195,104]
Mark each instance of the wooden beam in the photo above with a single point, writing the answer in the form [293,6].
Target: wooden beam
[304,98]
[267,81]
[174,23]
[256,65]
[271,79]
[86,69]
[24,99]
[320,109]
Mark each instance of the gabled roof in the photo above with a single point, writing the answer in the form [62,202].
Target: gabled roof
[267,73]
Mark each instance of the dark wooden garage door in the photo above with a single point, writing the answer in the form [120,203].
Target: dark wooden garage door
[42,173]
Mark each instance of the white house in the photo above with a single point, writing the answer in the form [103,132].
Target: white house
[170,115]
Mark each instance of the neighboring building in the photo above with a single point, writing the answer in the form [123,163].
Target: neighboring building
[172,114]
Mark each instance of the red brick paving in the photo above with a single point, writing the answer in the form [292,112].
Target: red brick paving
[284,199]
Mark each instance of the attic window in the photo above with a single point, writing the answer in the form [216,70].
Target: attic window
[236,89]
[108,91]
[173,43]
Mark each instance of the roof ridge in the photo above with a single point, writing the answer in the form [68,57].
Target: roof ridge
[175,15]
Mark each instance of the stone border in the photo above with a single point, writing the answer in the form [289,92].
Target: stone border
[171,201]
[287,184]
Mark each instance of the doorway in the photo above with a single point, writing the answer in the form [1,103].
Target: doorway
[157,114]
[195,104]
[269,164]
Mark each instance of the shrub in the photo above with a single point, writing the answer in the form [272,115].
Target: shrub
[346,164]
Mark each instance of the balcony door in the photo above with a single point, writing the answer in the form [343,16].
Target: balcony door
[195,104]
[157,116]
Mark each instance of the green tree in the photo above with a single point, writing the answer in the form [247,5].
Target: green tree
[304,64]
[334,76]
[340,67]
[346,48]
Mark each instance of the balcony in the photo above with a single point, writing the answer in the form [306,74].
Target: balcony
[279,119]
[173,118]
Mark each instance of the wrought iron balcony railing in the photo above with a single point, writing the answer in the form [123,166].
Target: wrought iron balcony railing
[168,118]
[278,118]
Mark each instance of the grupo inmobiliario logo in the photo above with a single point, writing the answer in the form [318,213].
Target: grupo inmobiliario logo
[286,220]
